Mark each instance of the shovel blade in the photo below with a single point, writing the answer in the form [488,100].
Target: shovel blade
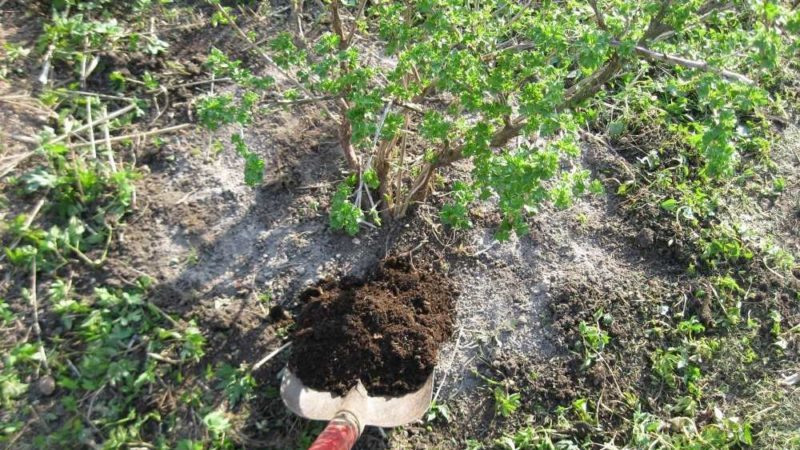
[379,411]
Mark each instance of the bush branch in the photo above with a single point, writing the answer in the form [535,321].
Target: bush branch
[689,63]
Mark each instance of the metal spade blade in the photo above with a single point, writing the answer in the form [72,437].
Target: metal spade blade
[380,411]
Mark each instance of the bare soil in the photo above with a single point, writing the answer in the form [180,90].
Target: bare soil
[384,330]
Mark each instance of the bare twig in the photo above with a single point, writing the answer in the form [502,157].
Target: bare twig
[84,74]
[28,221]
[92,145]
[16,160]
[138,135]
[164,359]
[36,327]
[296,18]
[485,249]
[449,364]
[45,74]
[272,354]
[92,94]
[192,84]
[375,139]
[97,262]
[164,315]
[92,124]
[107,138]
[258,50]
[411,252]
[598,15]
[303,101]
[689,63]
[90,409]
[361,7]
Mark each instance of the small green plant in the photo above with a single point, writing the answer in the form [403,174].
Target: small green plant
[238,384]
[437,412]
[505,403]
[217,424]
[530,438]
[593,338]
[6,315]
[344,214]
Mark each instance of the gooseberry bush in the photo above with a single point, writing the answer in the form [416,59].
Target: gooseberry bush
[509,86]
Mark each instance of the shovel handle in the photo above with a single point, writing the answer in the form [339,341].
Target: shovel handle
[341,434]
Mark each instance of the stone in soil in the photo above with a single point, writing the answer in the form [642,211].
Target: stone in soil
[384,330]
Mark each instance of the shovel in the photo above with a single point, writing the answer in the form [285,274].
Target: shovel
[348,414]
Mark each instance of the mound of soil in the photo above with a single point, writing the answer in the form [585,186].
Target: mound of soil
[384,330]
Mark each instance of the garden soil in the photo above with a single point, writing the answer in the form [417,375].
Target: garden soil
[384,330]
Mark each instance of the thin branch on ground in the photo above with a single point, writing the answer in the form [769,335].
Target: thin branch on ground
[303,101]
[27,224]
[141,135]
[45,73]
[90,409]
[272,354]
[35,304]
[164,359]
[92,124]
[107,139]
[164,315]
[449,364]
[192,84]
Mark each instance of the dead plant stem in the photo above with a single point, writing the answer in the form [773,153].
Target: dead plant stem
[272,354]
[36,327]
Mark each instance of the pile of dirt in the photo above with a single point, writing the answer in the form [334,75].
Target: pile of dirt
[384,329]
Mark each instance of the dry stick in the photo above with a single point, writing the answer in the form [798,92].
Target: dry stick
[46,64]
[92,124]
[36,328]
[94,94]
[107,138]
[139,135]
[88,261]
[91,406]
[165,359]
[369,162]
[449,364]
[84,74]
[260,52]
[302,101]
[598,15]
[690,63]
[164,315]
[26,101]
[192,84]
[274,353]
[28,221]
[296,13]
[361,7]
[92,145]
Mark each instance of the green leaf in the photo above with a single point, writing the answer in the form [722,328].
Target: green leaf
[253,165]
[38,179]
[344,214]
[670,205]
[11,387]
[216,422]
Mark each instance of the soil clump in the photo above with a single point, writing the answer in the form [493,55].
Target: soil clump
[384,329]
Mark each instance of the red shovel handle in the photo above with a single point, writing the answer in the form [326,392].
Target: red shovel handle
[341,434]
